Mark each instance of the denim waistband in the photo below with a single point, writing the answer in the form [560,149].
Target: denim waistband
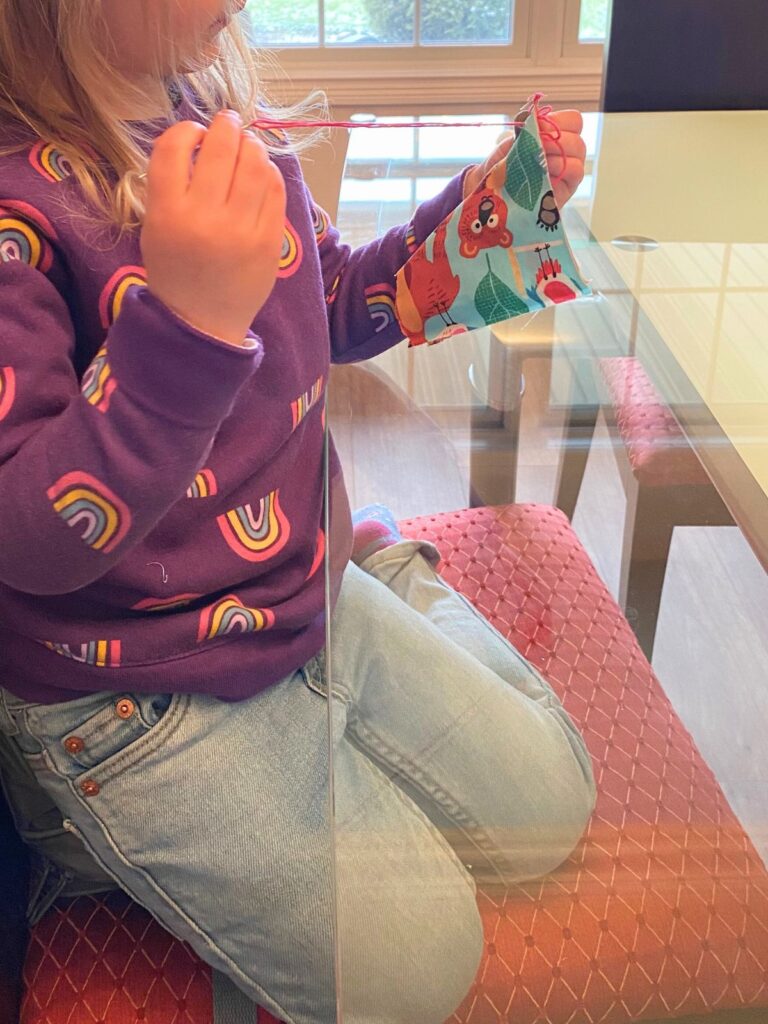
[7,703]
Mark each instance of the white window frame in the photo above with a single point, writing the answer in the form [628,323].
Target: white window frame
[545,56]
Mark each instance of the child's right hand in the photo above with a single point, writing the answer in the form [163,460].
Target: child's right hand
[213,232]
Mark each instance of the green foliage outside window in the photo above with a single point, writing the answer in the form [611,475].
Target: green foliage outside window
[449,21]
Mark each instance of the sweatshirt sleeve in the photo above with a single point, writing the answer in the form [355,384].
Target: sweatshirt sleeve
[87,468]
[360,284]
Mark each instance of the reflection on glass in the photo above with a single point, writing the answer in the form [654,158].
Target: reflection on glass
[426,188]
[475,144]
[382,143]
[456,21]
[595,479]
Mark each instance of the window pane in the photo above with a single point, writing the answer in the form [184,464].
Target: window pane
[369,22]
[460,21]
[275,23]
[380,22]
[593,22]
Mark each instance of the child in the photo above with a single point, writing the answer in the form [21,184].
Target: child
[167,328]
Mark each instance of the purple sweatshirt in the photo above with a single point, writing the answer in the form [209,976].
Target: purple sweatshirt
[161,492]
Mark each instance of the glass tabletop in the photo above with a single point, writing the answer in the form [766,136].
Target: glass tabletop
[594,477]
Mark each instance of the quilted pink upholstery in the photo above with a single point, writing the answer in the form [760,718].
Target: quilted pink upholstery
[106,960]
[658,452]
[662,911]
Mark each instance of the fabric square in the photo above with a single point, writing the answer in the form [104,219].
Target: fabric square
[502,253]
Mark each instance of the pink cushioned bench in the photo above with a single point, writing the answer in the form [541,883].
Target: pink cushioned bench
[665,483]
[662,911]
[658,451]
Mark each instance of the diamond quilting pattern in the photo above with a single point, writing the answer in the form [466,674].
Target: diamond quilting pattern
[661,911]
[104,960]
[658,452]
[663,908]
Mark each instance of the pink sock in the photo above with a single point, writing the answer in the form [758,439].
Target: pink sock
[373,528]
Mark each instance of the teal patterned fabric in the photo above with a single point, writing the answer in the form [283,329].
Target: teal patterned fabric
[501,254]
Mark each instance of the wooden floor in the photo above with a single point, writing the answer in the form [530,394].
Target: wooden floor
[711,651]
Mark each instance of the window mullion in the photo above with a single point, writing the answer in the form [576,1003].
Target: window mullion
[417,22]
[321,22]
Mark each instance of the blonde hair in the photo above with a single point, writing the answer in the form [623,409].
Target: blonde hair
[56,81]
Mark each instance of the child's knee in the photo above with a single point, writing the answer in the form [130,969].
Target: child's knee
[538,826]
[575,807]
[417,960]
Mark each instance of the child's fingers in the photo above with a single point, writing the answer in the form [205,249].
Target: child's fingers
[573,146]
[568,120]
[217,159]
[478,173]
[501,151]
[569,170]
[557,169]
[254,177]
[569,144]
[168,170]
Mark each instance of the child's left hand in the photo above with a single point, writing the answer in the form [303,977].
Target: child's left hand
[574,149]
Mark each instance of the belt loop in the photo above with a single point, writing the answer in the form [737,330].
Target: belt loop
[7,721]
[314,672]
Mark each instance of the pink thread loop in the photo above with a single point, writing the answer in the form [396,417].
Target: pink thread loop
[265,124]
[548,128]
[551,130]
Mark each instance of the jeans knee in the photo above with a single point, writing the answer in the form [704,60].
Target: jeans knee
[418,967]
[577,804]
[538,828]
[566,814]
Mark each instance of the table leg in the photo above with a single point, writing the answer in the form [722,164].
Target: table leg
[495,431]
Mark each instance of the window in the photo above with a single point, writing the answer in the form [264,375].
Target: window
[380,22]
[393,55]
[593,21]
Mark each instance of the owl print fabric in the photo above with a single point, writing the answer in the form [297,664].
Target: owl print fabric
[502,253]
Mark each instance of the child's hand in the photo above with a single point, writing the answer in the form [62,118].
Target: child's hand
[570,124]
[213,232]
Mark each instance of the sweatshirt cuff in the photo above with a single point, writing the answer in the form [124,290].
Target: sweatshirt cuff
[433,212]
[170,367]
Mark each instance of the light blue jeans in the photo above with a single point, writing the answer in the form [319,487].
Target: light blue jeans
[448,750]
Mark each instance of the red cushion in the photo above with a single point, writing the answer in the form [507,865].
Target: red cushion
[105,959]
[658,451]
[663,910]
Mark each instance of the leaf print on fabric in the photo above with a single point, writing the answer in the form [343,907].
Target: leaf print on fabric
[479,266]
[495,301]
[524,172]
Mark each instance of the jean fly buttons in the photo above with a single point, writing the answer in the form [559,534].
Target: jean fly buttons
[90,788]
[125,708]
[73,744]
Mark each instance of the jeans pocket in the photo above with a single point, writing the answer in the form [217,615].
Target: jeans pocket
[85,734]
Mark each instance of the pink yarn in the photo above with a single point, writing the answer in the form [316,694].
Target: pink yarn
[547,127]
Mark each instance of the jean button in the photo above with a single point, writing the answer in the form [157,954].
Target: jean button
[73,744]
[90,788]
[125,708]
